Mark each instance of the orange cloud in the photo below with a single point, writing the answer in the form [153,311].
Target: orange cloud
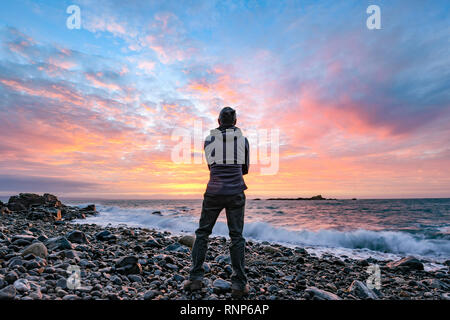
[94,78]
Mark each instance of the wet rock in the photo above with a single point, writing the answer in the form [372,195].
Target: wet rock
[85,288]
[151,242]
[24,200]
[150,294]
[38,249]
[16,261]
[8,293]
[70,297]
[24,237]
[61,283]
[228,269]
[105,235]
[21,242]
[87,264]
[363,263]
[90,208]
[22,285]
[135,278]
[4,209]
[206,267]
[58,243]
[51,200]
[71,254]
[176,247]
[178,278]
[317,294]
[220,286]
[273,288]
[36,295]
[171,266]
[42,238]
[338,262]
[271,250]
[408,262]
[223,259]
[11,276]
[76,236]
[128,265]
[37,262]
[360,290]
[300,251]
[116,280]
[436,284]
[187,241]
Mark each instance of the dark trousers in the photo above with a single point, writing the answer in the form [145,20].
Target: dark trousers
[212,206]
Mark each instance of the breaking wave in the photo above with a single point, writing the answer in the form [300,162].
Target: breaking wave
[394,242]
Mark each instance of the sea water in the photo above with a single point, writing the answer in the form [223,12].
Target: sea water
[382,228]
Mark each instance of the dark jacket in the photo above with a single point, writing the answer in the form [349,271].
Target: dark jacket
[226,171]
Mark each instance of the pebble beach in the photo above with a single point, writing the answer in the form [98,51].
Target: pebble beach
[39,243]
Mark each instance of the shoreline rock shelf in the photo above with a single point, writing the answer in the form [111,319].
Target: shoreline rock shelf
[46,207]
[122,263]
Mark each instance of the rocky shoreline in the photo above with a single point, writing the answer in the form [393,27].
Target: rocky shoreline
[39,243]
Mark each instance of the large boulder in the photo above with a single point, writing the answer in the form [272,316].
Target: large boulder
[89,208]
[51,200]
[45,214]
[46,207]
[24,201]
[407,263]
[71,213]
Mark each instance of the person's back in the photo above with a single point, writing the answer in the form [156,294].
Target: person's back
[228,157]
[226,175]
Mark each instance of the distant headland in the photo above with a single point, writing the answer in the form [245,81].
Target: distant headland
[318,197]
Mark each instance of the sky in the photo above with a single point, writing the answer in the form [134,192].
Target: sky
[90,112]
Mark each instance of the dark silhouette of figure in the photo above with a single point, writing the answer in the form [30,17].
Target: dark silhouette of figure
[227,153]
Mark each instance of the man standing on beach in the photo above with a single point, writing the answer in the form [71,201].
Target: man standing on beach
[228,157]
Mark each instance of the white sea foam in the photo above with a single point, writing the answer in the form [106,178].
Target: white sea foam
[360,243]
